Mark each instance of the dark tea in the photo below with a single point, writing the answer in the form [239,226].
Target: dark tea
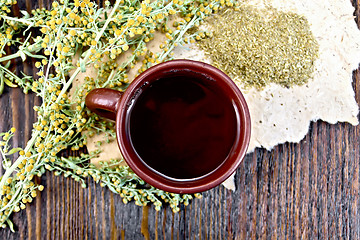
[183,127]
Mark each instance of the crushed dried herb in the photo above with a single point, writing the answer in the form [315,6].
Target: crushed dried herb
[261,46]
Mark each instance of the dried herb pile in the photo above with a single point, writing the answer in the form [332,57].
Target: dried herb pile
[261,46]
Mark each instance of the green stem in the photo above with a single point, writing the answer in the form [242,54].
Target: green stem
[9,57]
[67,85]
[117,3]
[179,37]
[10,170]
[9,72]
[17,20]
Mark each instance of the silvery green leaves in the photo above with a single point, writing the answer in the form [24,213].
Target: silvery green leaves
[5,76]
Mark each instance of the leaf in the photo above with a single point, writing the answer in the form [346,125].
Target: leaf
[70,164]
[67,112]
[11,225]
[9,83]
[84,53]
[7,65]
[14,150]
[82,66]
[33,55]
[26,76]
[25,13]
[22,55]
[1,85]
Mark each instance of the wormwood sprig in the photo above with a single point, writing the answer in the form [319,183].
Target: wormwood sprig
[73,37]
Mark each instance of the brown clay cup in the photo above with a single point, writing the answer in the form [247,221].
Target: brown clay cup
[115,105]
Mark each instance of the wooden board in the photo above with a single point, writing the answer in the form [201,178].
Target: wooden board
[308,190]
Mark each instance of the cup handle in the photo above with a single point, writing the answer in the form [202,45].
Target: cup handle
[104,102]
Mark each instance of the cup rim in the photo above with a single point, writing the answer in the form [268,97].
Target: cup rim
[203,183]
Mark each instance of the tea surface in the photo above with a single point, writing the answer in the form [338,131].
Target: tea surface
[183,127]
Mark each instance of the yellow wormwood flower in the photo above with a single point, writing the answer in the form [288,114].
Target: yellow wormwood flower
[33,193]
[29,168]
[140,19]
[72,15]
[168,36]
[72,32]
[130,22]
[66,49]
[159,16]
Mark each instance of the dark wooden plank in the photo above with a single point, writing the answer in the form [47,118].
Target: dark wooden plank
[305,189]
[278,196]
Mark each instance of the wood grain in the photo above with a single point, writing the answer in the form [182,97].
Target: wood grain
[308,190]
